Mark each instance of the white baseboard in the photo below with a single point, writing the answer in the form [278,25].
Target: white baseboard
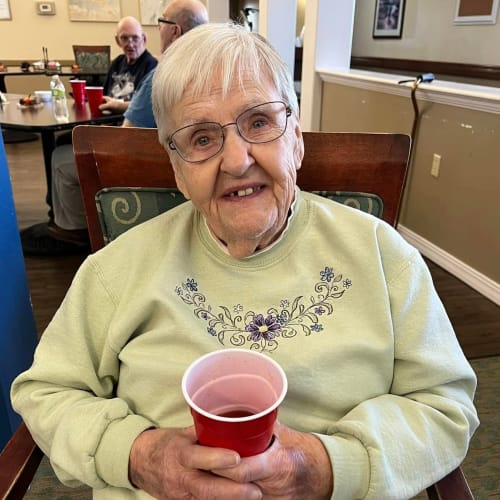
[479,282]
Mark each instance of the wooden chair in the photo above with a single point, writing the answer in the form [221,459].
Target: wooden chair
[110,157]
[19,461]
[333,162]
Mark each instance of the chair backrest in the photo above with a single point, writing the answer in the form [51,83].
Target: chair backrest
[365,170]
[92,58]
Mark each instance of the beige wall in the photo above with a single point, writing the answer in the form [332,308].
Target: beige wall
[429,33]
[22,37]
[458,212]
[301,13]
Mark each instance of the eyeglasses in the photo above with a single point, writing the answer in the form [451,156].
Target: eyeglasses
[166,21]
[132,38]
[257,125]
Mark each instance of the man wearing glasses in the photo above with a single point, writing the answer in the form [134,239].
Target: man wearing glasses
[179,17]
[128,69]
[66,231]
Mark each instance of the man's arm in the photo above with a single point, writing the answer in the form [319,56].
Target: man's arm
[116,106]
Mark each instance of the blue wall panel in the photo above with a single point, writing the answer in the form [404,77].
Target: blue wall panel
[17,325]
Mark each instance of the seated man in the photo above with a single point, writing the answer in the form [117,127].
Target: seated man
[128,69]
[64,233]
[178,18]
[70,223]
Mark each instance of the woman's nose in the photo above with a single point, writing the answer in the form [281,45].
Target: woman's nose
[236,156]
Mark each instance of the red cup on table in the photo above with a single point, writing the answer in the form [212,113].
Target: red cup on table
[95,97]
[78,90]
[234,396]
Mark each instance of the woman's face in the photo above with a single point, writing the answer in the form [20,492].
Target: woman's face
[246,190]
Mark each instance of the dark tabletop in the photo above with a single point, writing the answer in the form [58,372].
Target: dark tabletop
[40,117]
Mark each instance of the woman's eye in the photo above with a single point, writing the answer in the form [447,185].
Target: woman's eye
[259,123]
[202,140]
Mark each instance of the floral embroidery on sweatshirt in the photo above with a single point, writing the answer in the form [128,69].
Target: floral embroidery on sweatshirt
[264,330]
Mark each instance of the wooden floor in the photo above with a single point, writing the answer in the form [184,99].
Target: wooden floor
[476,319]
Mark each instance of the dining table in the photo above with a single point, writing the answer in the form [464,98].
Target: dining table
[39,119]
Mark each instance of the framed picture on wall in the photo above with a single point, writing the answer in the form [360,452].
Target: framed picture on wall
[5,10]
[388,21]
[151,10]
[95,10]
[476,12]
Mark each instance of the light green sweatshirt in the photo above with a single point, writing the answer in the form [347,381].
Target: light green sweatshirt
[342,302]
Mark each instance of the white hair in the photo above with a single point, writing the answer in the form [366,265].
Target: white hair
[208,52]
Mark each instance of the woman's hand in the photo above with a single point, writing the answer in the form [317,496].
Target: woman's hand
[168,464]
[296,466]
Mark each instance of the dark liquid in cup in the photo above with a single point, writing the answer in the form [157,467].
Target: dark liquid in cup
[237,414]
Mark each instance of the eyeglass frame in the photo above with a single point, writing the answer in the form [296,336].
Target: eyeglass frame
[173,147]
[166,21]
[133,38]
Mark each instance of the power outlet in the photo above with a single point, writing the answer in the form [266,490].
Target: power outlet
[436,163]
[46,8]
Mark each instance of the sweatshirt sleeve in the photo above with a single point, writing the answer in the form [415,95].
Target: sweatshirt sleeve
[67,398]
[395,445]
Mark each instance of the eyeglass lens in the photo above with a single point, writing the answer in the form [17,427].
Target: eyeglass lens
[259,124]
[126,38]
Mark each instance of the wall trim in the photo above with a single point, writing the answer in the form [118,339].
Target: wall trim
[420,66]
[479,282]
[477,97]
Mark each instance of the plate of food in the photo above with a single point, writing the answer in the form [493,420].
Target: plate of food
[30,102]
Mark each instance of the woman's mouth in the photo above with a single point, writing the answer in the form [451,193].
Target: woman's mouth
[244,192]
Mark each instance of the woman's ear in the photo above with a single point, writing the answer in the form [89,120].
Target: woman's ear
[298,149]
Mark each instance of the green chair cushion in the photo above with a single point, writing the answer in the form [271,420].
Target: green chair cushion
[366,202]
[120,208]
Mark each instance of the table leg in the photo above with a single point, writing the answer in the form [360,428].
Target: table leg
[48,145]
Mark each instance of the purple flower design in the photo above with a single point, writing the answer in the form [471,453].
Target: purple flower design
[316,327]
[191,285]
[327,274]
[320,310]
[263,328]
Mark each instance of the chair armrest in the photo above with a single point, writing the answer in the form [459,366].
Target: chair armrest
[19,461]
[452,487]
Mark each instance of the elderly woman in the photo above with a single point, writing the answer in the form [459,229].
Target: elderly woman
[380,394]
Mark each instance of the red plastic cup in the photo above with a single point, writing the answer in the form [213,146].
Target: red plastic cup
[95,99]
[78,90]
[234,396]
